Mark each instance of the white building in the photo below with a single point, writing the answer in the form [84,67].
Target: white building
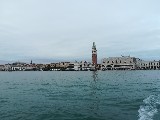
[119,63]
[128,63]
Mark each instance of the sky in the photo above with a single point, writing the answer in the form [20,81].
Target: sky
[65,30]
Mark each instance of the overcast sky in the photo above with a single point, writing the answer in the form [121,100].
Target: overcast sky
[65,29]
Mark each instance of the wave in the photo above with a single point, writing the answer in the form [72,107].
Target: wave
[149,108]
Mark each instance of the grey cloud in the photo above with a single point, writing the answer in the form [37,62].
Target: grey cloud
[66,29]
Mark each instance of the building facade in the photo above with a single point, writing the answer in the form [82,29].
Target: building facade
[128,63]
[119,63]
[148,65]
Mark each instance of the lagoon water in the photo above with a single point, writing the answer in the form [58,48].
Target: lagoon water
[85,95]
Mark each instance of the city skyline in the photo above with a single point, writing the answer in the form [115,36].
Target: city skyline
[64,30]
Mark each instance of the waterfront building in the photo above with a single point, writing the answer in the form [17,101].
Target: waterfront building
[128,63]
[57,66]
[73,66]
[40,67]
[119,63]
[98,67]
[7,67]
[150,65]
[62,65]
[19,66]
[85,66]
[76,66]
[2,67]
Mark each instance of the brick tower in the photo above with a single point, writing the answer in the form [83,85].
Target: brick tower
[94,55]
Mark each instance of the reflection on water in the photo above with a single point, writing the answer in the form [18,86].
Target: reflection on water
[95,101]
[95,75]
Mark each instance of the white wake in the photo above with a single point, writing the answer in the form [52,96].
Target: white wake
[149,108]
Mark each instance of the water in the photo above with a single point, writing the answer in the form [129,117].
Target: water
[102,95]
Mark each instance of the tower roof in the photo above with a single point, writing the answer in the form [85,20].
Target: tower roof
[94,45]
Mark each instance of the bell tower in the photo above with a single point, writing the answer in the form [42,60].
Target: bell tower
[94,55]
